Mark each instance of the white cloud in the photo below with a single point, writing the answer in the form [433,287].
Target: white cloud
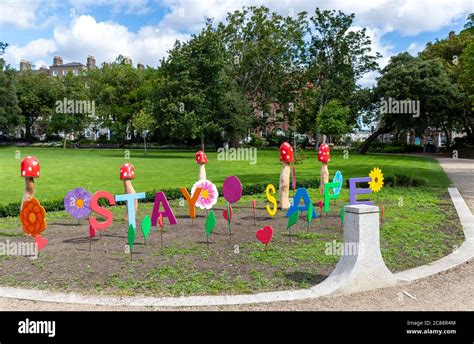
[33,51]
[127,6]
[20,14]
[104,40]
[406,16]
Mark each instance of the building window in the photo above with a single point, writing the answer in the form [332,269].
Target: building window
[75,72]
[55,73]
[64,72]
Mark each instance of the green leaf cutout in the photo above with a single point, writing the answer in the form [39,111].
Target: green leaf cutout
[292,219]
[310,213]
[146,226]
[131,236]
[210,223]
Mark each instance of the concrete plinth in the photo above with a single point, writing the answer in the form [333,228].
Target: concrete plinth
[361,266]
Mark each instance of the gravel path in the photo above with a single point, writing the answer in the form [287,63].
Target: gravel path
[448,291]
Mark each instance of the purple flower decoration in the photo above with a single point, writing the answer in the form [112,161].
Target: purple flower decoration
[78,203]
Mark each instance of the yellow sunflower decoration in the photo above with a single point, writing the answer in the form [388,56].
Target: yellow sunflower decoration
[377,179]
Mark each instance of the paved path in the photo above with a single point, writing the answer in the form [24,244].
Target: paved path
[461,173]
[451,290]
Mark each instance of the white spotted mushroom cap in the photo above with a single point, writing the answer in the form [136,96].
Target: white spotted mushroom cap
[201,158]
[323,153]
[286,153]
[127,171]
[30,167]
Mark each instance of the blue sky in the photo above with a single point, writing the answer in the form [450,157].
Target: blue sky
[145,29]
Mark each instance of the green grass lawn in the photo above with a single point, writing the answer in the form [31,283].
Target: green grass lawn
[63,170]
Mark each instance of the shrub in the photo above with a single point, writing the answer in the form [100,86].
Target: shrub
[397,180]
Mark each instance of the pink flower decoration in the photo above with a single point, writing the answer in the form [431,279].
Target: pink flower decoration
[208,196]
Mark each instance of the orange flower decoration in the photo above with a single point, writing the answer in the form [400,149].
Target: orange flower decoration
[33,217]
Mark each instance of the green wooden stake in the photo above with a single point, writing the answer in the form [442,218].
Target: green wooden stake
[161,239]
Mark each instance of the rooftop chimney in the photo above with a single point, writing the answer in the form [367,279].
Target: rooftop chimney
[91,62]
[57,61]
[25,65]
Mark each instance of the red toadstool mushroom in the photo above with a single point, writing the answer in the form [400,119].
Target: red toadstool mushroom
[286,157]
[127,171]
[201,159]
[324,153]
[30,169]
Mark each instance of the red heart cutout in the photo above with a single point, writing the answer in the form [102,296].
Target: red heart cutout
[265,234]
[320,204]
[40,242]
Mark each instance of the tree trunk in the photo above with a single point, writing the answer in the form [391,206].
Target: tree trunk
[27,131]
[65,140]
[202,143]
[373,136]
[144,141]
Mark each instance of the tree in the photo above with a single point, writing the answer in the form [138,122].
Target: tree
[190,89]
[3,46]
[408,78]
[338,56]
[9,110]
[333,119]
[116,90]
[457,56]
[73,109]
[37,94]
[232,110]
[143,121]
[266,60]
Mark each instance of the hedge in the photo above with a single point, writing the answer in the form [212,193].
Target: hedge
[13,209]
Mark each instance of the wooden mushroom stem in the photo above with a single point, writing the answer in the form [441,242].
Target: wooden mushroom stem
[29,188]
[127,183]
[324,174]
[285,186]
[202,171]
